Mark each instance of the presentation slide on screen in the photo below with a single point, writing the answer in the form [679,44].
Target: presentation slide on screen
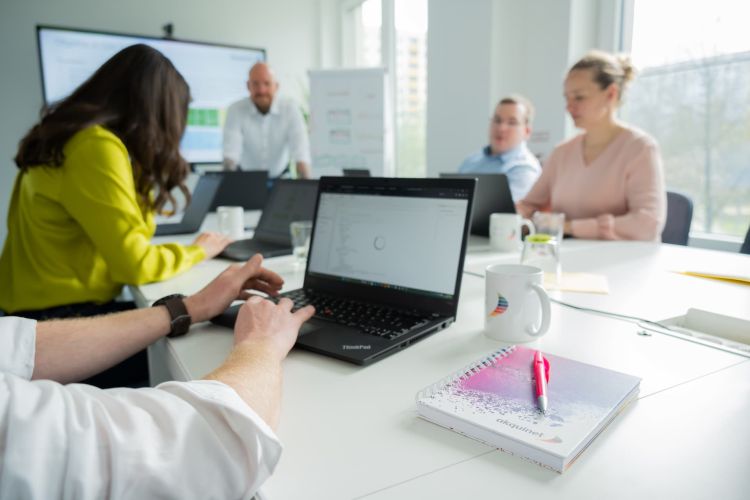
[395,240]
[216,76]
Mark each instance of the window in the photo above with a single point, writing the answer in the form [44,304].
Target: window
[362,43]
[411,93]
[692,94]
[362,33]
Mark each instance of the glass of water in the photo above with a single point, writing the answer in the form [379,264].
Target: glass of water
[543,251]
[301,230]
[551,223]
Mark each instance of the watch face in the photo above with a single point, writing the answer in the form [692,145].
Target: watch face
[180,325]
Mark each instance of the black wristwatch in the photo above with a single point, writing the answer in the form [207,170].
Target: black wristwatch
[181,320]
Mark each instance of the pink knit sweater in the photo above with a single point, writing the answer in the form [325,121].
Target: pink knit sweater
[618,196]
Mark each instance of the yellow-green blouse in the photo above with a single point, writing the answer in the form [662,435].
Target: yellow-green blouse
[78,233]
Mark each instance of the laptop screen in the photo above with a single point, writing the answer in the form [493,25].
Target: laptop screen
[492,196]
[248,189]
[404,237]
[290,200]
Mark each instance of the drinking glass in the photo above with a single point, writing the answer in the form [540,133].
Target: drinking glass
[543,251]
[301,231]
[551,223]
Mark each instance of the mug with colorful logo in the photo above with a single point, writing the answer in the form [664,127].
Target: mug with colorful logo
[505,231]
[517,309]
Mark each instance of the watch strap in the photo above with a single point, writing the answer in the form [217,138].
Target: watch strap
[180,320]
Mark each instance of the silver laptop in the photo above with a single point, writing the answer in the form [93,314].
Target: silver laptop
[385,264]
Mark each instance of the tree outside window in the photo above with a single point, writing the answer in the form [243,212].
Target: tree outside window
[693,96]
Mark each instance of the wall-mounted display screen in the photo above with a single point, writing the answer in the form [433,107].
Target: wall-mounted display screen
[216,74]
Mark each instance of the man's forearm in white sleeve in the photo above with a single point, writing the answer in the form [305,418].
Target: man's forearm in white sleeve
[299,145]
[77,441]
[232,141]
[180,440]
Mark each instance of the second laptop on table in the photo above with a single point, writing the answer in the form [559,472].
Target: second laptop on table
[244,188]
[200,201]
[493,196]
[385,264]
[290,200]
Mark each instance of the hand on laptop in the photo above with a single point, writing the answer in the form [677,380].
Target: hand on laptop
[274,325]
[213,243]
[230,285]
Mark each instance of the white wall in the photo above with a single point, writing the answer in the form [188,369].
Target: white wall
[297,34]
[458,81]
[526,60]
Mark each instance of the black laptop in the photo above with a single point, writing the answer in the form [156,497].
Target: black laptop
[290,200]
[355,172]
[195,212]
[385,264]
[244,188]
[493,196]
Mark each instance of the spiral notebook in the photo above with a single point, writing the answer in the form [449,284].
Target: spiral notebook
[493,401]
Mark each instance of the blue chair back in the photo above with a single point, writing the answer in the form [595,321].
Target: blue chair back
[679,217]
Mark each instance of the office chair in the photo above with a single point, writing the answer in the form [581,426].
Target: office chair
[679,218]
[745,248]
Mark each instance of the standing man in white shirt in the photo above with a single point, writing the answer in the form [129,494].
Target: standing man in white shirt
[210,438]
[266,132]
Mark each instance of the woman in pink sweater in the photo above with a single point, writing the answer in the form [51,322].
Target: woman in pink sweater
[608,180]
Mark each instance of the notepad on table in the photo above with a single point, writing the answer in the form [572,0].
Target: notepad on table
[493,401]
[577,282]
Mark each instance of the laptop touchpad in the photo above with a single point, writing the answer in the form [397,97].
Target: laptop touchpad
[327,329]
[308,327]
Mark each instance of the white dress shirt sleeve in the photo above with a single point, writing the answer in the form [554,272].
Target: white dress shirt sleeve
[17,347]
[179,440]
[299,142]
[232,145]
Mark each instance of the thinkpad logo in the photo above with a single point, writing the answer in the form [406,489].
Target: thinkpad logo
[356,347]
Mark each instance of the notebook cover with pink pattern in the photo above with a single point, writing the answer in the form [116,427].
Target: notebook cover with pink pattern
[493,401]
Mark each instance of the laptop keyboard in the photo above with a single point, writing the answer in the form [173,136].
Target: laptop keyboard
[372,319]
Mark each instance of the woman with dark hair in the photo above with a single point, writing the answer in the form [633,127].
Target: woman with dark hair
[91,175]
[608,181]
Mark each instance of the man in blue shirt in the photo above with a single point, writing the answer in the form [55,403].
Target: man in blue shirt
[507,153]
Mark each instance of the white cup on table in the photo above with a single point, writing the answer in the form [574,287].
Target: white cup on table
[231,221]
[516,307]
[505,231]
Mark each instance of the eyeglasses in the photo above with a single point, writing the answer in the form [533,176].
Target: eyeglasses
[499,122]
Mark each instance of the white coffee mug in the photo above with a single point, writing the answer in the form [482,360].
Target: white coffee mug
[505,231]
[231,221]
[516,307]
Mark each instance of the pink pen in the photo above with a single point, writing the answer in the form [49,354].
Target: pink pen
[541,374]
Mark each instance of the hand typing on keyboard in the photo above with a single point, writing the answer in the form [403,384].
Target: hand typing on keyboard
[373,319]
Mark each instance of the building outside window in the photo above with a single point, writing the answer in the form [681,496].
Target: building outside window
[411,90]
[363,40]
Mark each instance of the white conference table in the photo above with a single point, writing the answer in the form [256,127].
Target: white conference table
[353,432]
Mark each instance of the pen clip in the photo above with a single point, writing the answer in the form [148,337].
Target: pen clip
[546,368]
